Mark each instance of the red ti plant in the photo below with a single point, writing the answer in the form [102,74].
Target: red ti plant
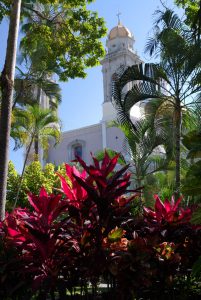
[63,236]
[88,231]
[43,241]
[98,193]
[168,212]
[97,203]
[162,246]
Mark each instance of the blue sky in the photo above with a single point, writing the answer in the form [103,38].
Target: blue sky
[82,98]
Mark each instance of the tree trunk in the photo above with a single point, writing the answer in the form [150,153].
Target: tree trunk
[139,182]
[36,148]
[36,141]
[7,83]
[178,151]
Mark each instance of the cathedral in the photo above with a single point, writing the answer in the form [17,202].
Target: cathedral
[80,142]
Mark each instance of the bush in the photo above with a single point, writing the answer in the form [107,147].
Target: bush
[87,232]
[34,178]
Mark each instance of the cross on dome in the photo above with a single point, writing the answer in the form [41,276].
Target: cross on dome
[120,30]
[118,16]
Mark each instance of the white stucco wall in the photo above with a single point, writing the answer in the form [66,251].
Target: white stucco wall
[90,136]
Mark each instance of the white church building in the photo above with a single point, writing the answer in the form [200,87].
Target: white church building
[96,137]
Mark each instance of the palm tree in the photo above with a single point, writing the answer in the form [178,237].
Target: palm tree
[32,126]
[145,149]
[30,86]
[175,79]
[6,84]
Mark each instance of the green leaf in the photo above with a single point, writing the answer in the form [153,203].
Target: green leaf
[192,183]
[197,268]
[116,235]
[196,217]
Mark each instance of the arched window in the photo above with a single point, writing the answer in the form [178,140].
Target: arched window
[76,148]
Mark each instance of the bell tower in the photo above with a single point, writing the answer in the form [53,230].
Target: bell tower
[120,54]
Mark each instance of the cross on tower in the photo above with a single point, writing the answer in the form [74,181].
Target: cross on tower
[118,16]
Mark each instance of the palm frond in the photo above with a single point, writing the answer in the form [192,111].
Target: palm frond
[169,19]
[33,122]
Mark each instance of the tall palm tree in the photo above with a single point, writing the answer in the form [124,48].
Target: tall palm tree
[175,79]
[33,125]
[6,85]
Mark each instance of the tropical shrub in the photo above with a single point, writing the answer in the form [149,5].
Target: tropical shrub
[44,237]
[41,247]
[35,176]
[192,182]
[86,233]
[98,204]
[162,248]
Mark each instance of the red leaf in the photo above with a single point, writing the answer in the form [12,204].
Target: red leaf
[66,189]
[111,165]
[159,207]
[43,192]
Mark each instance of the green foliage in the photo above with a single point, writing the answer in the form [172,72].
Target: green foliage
[136,206]
[196,217]
[31,84]
[115,235]
[34,177]
[192,141]
[192,11]
[192,182]
[197,268]
[171,85]
[32,123]
[142,144]
[12,186]
[4,8]
[62,36]
[161,183]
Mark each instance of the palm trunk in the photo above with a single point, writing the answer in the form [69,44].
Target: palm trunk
[178,151]
[7,83]
[36,148]
[139,184]
[36,141]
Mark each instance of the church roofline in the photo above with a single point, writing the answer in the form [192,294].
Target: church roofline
[81,128]
[116,54]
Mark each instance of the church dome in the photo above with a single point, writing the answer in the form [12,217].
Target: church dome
[119,31]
